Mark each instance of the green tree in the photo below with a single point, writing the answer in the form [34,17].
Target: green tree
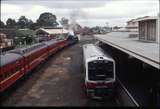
[23,22]
[34,26]
[47,19]
[2,24]
[10,23]
[25,35]
[29,24]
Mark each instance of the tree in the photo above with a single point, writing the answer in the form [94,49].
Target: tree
[34,26]
[29,24]
[11,23]
[64,21]
[25,35]
[47,19]
[23,22]
[2,24]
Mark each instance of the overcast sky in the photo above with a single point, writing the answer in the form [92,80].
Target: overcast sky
[85,12]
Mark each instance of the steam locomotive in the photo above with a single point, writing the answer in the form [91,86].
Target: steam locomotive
[15,64]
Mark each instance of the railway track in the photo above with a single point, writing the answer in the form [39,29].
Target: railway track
[124,97]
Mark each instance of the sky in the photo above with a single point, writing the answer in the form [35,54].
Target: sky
[85,12]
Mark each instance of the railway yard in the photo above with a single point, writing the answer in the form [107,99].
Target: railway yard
[80,53]
[59,81]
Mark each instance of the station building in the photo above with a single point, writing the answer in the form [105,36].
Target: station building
[149,29]
[48,33]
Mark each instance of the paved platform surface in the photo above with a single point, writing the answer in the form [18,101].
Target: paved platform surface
[146,52]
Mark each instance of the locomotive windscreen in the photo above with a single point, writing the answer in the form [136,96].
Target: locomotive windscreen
[100,70]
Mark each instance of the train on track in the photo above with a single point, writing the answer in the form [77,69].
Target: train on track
[16,63]
[100,76]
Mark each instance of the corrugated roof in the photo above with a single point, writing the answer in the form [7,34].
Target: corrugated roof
[53,30]
[143,18]
[147,18]
[29,49]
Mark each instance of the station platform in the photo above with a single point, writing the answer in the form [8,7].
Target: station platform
[145,51]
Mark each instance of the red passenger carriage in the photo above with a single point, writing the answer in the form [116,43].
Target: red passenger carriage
[16,63]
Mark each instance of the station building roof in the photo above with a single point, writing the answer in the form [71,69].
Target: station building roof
[53,31]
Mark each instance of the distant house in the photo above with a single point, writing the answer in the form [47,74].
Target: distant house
[118,29]
[149,29]
[5,42]
[10,32]
[49,33]
[132,25]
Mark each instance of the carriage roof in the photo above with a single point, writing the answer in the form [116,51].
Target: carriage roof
[53,41]
[29,49]
[93,51]
[8,58]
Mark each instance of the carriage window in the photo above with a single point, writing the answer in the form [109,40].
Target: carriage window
[100,70]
